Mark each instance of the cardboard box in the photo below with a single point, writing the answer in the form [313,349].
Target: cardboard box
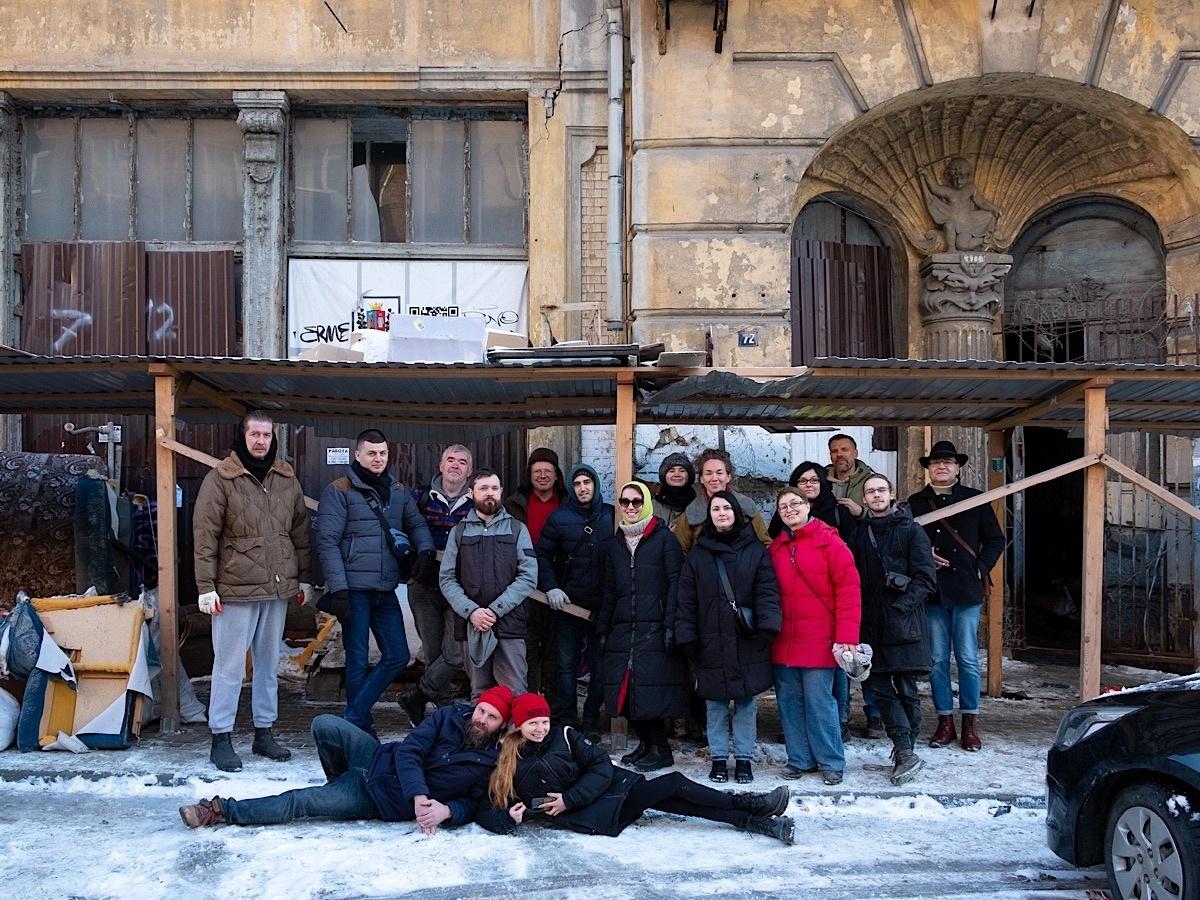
[331,353]
[506,340]
[436,339]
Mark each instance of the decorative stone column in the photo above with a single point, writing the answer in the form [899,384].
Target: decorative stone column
[263,119]
[10,284]
[961,297]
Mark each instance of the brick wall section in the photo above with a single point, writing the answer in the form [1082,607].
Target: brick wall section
[593,216]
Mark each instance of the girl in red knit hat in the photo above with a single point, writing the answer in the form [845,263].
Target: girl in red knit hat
[553,773]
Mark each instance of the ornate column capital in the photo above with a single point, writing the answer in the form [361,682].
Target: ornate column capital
[961,296]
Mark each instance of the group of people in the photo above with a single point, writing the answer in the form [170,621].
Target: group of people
[691,605]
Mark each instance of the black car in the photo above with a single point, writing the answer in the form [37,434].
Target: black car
[1123,789]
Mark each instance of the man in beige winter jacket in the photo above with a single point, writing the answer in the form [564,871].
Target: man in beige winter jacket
[251,536]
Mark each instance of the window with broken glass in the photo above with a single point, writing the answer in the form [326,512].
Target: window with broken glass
[136,176]
[404,178]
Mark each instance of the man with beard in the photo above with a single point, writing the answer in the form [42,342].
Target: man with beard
[489,569]
[438,774]
[251,538]
[360,516]
[847,473]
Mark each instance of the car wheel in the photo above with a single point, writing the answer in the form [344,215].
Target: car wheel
[1151,845]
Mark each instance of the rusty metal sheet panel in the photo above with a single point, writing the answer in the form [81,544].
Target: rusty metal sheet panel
[190,308]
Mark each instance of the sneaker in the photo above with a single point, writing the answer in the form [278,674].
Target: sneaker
[791,772]
[719,771]
[742,773]
[203,814]
[831,777]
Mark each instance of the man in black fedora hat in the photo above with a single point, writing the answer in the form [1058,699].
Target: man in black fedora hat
[965,548]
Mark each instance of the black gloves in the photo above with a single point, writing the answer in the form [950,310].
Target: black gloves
[426,568]
[336,603]
[669,640]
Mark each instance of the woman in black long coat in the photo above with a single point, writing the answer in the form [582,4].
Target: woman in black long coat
[553,774]
[895,565]
[645,676]
[729,567]
[812,479]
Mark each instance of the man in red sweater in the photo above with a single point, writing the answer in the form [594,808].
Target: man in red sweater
[539,494]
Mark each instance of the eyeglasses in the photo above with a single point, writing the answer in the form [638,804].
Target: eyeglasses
[793,505]
[808,481]
[635,503]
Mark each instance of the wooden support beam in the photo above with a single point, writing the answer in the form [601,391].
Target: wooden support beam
[1062,398]
[192,385]
[997,444]
[201,457]
[626,426]
[1095,428]
[1021,484]
[1156,489]
[168,612]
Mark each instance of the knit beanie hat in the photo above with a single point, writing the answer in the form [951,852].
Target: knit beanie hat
[500,696]
[529,706]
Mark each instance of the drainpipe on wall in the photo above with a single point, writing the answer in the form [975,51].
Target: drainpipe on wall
[616,166]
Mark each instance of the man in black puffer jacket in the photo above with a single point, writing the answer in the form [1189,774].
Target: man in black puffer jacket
[362,570]
[895,565]
[569,571]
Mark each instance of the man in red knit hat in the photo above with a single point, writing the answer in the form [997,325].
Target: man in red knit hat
[436,775]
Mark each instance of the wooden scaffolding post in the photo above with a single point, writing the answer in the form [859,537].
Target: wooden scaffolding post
[997,445]
[165,385]
[623,448]
[1095,427]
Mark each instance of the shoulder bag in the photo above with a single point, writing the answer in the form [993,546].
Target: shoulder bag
[743,616]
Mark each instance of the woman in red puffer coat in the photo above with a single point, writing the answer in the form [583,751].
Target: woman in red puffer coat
[821,602]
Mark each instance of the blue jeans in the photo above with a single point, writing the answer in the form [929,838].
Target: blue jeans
[346,753]
[954,628]
[574,635]
[379,613]
[809,715]
[745,727]
[841,690]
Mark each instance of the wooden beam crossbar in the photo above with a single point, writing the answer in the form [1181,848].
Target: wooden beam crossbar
[1156,489]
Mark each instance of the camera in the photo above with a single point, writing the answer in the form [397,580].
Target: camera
[402,549]
[535,806]
[895,581]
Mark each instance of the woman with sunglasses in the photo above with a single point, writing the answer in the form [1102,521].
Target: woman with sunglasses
[554,775]
[645,677]
[821,605]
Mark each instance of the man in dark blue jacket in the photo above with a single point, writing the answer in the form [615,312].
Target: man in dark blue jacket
[570,571]
[438,774]
[363,566]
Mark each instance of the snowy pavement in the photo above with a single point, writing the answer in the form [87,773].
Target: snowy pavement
[105,825]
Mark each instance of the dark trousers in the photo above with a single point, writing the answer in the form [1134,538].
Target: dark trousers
[346,753]
[899,706]
[379,613]
[541,649]
[651,732]
[575,638]
[676,793]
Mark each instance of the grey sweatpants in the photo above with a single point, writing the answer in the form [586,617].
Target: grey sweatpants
[443,654]
[505,666]
[255,625]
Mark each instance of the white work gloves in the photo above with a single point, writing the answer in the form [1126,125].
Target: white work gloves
[210,603]
[306,594]
[557,598]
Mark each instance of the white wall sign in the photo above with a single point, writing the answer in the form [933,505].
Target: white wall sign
[323,294]
[337,456]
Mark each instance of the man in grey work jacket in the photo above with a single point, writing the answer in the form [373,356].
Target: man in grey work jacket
[489,569]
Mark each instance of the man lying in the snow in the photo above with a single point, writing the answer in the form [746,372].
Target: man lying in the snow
[439,773]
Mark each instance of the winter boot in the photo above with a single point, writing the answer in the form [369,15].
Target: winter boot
[637,754]
[742,773]
[222,755]
[945,734]
[772,803]
[203,814]
[831,777]
[719,771]
[782,828]
[413,701]
[657,758]
[970,733]
[266,745]
[907,765]
[875,730]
